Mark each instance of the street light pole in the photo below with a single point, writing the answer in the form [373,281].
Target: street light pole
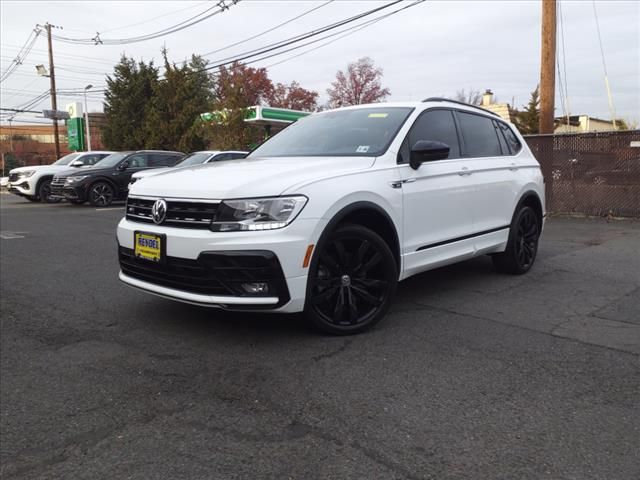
[86,117]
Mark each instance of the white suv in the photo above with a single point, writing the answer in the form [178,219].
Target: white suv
[34,183]
[328,215]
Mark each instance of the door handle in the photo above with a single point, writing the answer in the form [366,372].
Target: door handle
[513,166]
[464,171]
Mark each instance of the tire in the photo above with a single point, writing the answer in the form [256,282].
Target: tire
[101,194]
[352,279]
[75,201]
[522,246]
[44,190]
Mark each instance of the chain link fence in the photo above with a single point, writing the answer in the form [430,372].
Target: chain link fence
[590,173]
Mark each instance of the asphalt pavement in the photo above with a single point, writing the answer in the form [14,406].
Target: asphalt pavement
[473,375]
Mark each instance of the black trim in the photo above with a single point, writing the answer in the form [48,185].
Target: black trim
[342,214]
[441,99]
[219,273]
[458,239]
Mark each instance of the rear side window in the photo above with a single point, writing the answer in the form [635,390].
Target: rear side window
[437,125]
[480,136]
[163,160]
[512,140]
[222,156]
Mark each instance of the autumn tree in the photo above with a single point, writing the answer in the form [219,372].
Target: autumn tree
[129,91]
[237,88]
[293,96]
[360,84]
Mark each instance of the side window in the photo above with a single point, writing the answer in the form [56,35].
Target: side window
[162,160]
[137,161]
[237,155]
[435,125]
[512,140]
[93,159]
[220,157]
[480,136]
[503,142]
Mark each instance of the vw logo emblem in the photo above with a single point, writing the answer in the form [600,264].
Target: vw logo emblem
[159,211]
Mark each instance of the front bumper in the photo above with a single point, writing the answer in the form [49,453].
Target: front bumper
[21,187]
[76,192]
[288,246]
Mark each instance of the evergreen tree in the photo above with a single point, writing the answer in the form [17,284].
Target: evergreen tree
[179,98]
[129,91]
[527,120]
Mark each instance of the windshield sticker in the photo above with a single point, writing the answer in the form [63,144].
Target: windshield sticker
[362,149]
[378,115]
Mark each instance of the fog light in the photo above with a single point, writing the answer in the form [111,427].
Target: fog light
[256,288]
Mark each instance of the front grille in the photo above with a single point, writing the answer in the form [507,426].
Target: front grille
[13,177]
[180,213]
[213,273]
[57,180]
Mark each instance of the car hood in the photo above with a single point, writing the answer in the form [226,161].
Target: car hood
[40,168]
[153,171]
[249,177]
[89,170]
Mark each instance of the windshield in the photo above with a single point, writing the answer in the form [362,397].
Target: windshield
[111,160]
[67,159]
[354,132]
[193,159]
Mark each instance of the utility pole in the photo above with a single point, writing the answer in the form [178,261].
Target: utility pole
[54,101]
[547,67]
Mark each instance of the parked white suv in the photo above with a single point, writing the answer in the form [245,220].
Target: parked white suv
[34,183]
[329,214]
[191,160]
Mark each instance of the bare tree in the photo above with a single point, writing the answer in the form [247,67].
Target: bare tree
[360,84]
[473,97]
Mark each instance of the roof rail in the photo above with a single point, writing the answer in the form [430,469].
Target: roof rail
[442,99]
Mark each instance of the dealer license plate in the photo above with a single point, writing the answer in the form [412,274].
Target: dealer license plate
[148,246]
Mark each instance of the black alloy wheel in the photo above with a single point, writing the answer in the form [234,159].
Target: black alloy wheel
[44,192]
[101,194]
[522,246]
[351,281]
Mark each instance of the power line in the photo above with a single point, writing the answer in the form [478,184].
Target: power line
[349,31]
[564,95]
[221,5]
[293,40]
[604,67]
[22,54]
[173,12]
[307,12]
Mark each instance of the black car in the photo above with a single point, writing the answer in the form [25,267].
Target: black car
[108,179]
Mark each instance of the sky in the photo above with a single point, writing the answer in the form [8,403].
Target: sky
[432,49]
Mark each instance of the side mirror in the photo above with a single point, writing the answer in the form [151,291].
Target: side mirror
[427,151]
[124,165]
[76,163]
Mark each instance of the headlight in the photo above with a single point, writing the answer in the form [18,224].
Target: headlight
[26,174]
[257,213]
[76,178]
